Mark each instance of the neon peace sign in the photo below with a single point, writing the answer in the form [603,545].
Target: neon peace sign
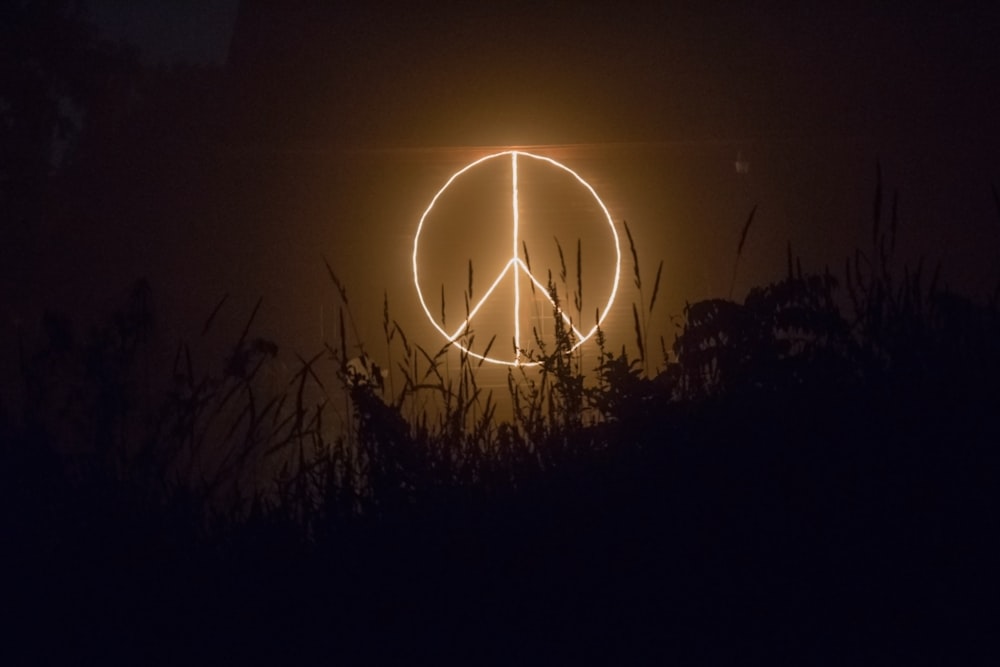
[515,268]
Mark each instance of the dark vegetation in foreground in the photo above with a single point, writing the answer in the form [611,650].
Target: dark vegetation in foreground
[811,474]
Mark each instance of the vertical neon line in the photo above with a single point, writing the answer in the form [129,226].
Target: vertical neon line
[517,271]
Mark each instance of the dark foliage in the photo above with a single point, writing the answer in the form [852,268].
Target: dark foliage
[54,75]
[811,475]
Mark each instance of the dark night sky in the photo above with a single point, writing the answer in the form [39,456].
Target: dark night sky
[339,121]
[170,30]
[573,72]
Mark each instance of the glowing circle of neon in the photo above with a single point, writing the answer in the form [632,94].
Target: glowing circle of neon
[515,263]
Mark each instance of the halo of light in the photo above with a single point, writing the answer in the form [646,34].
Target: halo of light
[514,263]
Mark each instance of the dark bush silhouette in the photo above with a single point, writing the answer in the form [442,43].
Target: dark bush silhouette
[810,469]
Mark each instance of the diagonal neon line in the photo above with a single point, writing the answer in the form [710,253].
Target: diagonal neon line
[479,304]
[545,290]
